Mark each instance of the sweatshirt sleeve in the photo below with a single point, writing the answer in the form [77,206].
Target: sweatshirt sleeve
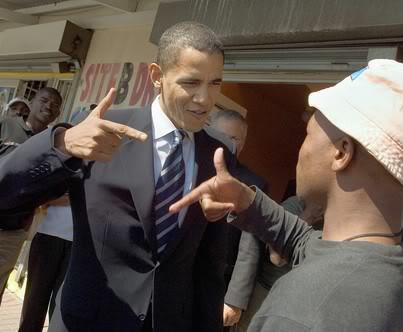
[271,223]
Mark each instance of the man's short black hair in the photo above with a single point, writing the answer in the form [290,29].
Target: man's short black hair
[228,114]
[186,35]
[51,91]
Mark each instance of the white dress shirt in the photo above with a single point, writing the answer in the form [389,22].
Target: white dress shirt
[163,129]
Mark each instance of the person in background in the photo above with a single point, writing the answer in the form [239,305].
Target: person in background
[234,125]
[49,257]
[18,107]
[45,108]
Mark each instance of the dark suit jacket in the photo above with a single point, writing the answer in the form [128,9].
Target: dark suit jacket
[14,131]
[113,270]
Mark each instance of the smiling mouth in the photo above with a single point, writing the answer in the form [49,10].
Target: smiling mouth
[46,113]
[198,114]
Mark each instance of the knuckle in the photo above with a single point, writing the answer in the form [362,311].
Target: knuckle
[120,130]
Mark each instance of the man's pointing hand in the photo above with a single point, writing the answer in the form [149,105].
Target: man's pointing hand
[95,138]
[218,195]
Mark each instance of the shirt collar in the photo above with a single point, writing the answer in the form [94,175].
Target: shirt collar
[162,125]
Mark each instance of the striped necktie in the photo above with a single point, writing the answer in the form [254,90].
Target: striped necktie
[168,190]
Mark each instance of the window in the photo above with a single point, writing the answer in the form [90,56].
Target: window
[30,88]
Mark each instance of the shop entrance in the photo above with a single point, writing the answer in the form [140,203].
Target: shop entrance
[276,129]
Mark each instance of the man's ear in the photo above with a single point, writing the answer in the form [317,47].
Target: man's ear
[344,153]
[155,74]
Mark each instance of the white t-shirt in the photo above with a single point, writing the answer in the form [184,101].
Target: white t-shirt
[58,222]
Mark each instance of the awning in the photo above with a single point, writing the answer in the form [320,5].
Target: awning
[241,23]
[43,47]
[300,65]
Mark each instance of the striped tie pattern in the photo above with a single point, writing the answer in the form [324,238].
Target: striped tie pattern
[168,190]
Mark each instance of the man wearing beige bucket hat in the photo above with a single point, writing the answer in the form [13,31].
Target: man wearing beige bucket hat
[348,277]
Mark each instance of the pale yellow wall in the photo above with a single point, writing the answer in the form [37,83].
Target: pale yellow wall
[113,55]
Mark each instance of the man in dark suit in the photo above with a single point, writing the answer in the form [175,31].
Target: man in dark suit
[135,266]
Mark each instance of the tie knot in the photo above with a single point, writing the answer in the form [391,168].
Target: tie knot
[178,136]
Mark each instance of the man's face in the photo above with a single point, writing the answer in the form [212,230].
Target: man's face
[189,88]
[234,129]
[45,107]
[314,169]
[18,109]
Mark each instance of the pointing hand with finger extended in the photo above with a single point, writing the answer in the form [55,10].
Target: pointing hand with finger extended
[95,138]
[218,195]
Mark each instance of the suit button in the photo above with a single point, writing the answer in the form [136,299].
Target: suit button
[142,317]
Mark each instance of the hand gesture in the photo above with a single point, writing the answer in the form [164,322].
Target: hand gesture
[218,195]
[96,138]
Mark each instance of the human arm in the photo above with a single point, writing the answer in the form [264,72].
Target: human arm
[37,170]
[34,173]
[243,278]
[96,138]
[271,223]
[274,225]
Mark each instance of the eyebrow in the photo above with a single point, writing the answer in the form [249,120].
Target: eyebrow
[188,79]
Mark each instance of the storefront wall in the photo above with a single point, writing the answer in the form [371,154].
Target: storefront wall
[117,58]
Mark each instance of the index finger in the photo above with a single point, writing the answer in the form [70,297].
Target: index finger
[190,198]
[122,130]
[104,105]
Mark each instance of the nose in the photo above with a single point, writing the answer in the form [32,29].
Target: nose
[202,95]
[48,105]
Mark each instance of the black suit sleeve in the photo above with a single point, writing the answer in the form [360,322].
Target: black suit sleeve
[249,252]
[32,174]
[243,277]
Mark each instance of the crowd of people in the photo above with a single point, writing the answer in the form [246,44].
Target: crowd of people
[152,223]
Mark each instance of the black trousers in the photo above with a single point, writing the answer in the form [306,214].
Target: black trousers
[48,262]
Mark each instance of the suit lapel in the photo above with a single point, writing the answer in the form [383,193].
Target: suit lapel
[137,160]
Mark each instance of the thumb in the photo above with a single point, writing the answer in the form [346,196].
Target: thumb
[104,105]
[219,162]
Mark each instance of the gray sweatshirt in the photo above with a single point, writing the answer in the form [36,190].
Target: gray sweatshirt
[334,286]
